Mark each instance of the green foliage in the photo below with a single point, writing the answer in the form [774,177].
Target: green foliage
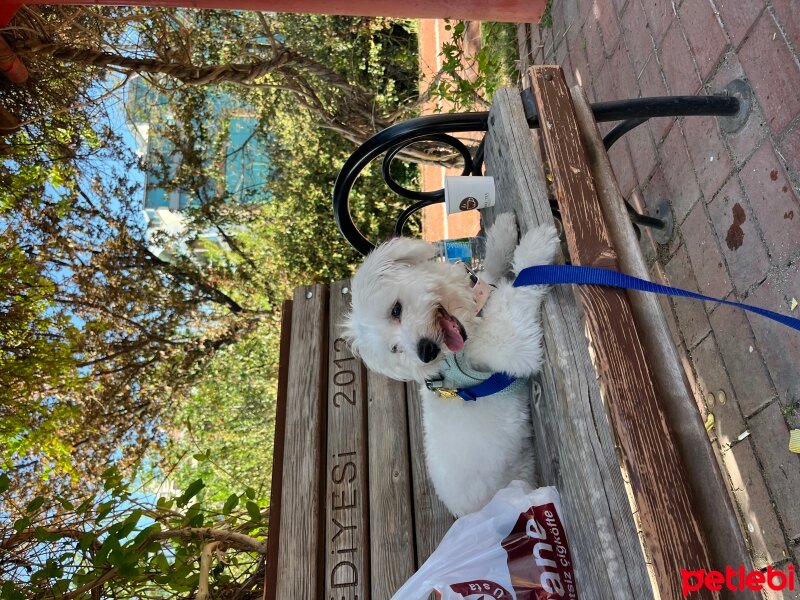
[112,355]
[500,40]
[108,352]
[125,542]
[297,229]
[547,15]
[98,333]
[34,351]
[377,53]
[289,241]
[226,423]
[51,174]
[468,80]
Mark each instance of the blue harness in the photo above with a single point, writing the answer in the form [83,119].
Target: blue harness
[458,379]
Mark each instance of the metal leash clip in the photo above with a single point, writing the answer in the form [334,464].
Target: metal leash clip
[437,387]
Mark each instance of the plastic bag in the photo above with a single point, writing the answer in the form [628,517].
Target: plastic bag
[514,548]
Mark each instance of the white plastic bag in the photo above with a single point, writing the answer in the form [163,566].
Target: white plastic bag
[514,548]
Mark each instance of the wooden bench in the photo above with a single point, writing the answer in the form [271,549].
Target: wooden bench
[353,512]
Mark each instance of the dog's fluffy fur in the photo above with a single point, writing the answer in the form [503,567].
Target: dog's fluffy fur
[399,295]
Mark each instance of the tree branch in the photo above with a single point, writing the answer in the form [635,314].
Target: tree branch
[205,569]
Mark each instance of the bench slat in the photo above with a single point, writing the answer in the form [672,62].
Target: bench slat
[347,491]
[300,557]
[716,511]
[431,518]
[575,449]
[390,510]
[276,490]
[673,534]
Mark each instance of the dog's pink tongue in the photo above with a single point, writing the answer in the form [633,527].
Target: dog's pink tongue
[452,335]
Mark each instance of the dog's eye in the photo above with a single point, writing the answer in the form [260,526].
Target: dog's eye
[397,310]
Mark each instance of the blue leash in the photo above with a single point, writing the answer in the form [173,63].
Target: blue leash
[557,274]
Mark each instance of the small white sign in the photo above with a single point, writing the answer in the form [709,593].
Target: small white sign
[463,193]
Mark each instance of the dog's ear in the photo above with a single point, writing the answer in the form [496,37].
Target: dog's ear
[403,250]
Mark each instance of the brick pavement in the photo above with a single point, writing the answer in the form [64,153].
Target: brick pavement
[735,199]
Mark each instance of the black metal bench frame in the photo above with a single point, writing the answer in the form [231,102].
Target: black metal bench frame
[438,128]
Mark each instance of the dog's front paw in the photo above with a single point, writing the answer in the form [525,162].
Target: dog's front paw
[501,239]
[537,247]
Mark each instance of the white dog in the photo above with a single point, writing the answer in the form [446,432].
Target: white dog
[415,319]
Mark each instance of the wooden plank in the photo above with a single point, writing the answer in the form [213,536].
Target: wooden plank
[390,515]
[347,491]
[673,534]
[431,517]
[573,441]
[715,509]
[300,561]
[273,535]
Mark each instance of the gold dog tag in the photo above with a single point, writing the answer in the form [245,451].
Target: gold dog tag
[446,393]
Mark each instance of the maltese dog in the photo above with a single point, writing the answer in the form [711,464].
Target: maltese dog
[416,319]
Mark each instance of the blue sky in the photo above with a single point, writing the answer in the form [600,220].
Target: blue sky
[116,113]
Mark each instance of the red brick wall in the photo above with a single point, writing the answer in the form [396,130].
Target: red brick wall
[436,224]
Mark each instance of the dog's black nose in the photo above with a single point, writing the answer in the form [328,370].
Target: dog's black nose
[427,350]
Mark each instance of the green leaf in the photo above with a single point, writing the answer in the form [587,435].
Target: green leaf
[34,504]
[194,516]
[84,506]
[21,524]
[86,540]
[191,491]
[145,533]
[41,534]
[116,557]
[230,504]
[250,493]
[9,591]
[160,563]
[126,561]
[109,544]
[5,482]
[110,472]
[111,479]
[60,587]
[129,524]
[50,570]
[103,511]
[253,511]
